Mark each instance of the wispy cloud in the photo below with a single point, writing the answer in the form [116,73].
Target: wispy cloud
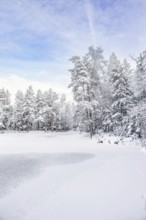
[90,16]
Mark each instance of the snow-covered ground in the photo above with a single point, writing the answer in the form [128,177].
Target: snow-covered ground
[67,176]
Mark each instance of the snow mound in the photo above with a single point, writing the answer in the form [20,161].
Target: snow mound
[102,138]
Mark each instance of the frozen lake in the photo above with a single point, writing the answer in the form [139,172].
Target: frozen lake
[69,176]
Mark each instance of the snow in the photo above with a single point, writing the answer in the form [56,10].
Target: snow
[68,176]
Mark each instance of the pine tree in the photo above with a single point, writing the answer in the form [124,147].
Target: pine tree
[39,106]
[17,120]
[122,94]
[49,110]
[80,86]
[87,89]
[140,76]
[2,126]
[28,109]
[60,113]
[6,108]
[64,114]
[96,66]
[138,113]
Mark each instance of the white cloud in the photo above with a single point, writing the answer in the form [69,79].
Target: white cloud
[14,83]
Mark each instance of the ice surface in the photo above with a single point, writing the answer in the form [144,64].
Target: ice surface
[14,169]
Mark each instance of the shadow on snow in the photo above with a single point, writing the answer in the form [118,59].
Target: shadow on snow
[14,169]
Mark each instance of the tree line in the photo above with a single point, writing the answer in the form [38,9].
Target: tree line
[46,111]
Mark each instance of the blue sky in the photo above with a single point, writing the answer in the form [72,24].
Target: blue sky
[38,37]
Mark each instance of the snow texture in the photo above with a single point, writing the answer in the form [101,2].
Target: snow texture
[69,176]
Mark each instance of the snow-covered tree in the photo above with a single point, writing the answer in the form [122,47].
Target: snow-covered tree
[17,120]
[140,76]
[49,110]
[96,66]
[121,94]
[64,114]
[80,86]
[28,109]
[138,113]
[6,108]
[86,85]
[39,108]
[2,126]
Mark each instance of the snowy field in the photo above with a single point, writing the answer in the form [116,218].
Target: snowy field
[67,176]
